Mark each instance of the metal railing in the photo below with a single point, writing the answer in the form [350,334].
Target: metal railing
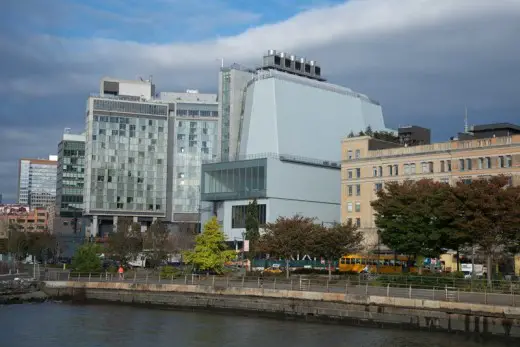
[508,294]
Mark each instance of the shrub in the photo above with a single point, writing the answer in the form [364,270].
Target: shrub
[169,272]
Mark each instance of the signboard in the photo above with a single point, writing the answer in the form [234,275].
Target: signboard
[246,245]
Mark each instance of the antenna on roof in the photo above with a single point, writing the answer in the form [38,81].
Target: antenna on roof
[466,126]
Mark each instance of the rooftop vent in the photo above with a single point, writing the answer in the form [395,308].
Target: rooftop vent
[292,64]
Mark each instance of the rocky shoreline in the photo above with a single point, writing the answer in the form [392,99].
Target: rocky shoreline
[37,296]
[21,290]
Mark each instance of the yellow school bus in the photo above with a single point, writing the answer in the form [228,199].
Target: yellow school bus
[388,263]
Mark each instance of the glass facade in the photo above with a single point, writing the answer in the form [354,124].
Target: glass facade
[239,213]
[70,180]
[127,154]
[37,182]
[244,179]
[195,143]
[226,113]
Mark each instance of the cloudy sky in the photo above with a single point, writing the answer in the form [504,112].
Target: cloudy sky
[424,60]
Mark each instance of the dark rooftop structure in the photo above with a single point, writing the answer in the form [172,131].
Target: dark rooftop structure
[292,64]
[490,130]
[413,135]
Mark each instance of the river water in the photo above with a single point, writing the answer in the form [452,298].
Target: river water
[61,324]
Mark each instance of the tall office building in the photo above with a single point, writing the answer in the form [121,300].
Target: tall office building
[232,83]
[70,175]
[37,182]
[286,153]
[193,129]
[126,153]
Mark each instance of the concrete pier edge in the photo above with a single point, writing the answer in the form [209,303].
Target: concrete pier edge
[375,311]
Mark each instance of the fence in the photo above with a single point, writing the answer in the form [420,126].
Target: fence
[357,285]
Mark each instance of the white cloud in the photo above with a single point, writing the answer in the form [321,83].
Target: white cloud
[392,34]
[423,59]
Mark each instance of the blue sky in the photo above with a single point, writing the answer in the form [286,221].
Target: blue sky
[424,60]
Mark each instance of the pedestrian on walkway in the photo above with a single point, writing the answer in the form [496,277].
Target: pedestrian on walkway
[121,272]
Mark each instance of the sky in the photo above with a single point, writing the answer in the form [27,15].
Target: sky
[424,60]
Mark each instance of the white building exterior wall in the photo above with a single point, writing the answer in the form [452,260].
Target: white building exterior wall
[301,117]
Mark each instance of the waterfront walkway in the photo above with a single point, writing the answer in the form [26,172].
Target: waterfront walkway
[508,295]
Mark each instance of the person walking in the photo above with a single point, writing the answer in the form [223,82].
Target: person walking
[121,272]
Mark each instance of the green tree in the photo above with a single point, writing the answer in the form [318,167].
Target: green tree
[333,242]
[156,242]
[210,252]
[86,258]
[411,217]
[41,245]
[489,214]
[386,136]
[368,131]
[288,236]
[351,134]
[252,227]
[126,242]
[17,242]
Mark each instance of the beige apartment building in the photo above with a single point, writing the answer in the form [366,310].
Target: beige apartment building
[368,163]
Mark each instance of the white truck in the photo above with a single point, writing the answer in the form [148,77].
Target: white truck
[467,269]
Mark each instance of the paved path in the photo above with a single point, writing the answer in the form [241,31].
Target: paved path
[443,294]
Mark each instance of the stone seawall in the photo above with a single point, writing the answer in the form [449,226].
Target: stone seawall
[310,306]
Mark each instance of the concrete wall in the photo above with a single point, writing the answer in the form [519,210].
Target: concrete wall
[314,306]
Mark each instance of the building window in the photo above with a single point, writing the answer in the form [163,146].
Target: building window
[374,170]
[425,167]
[442,166]
[480,163]
[413,170]
[378,186]
[396,170]
[448,165]
[406,169]
[501,162]
[358,189]
[358,206]
[350,191]
[349,154]
[358,173]
[509,161]
[461,164]
[358,222]
[466,180]
[390,170]
[380,171]
[349,207]
[358,154]
[349,174]
[468,164]
[238,215]
[487,163]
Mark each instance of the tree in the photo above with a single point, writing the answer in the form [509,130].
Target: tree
[412,219]
[211,251]
[86,258]
[126,242]
[489,214]
[333,242]
[287,236]
[17,244]
[41,245]
[252,226]
[368,131]
[351,134]
[386,136]
[156,242]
